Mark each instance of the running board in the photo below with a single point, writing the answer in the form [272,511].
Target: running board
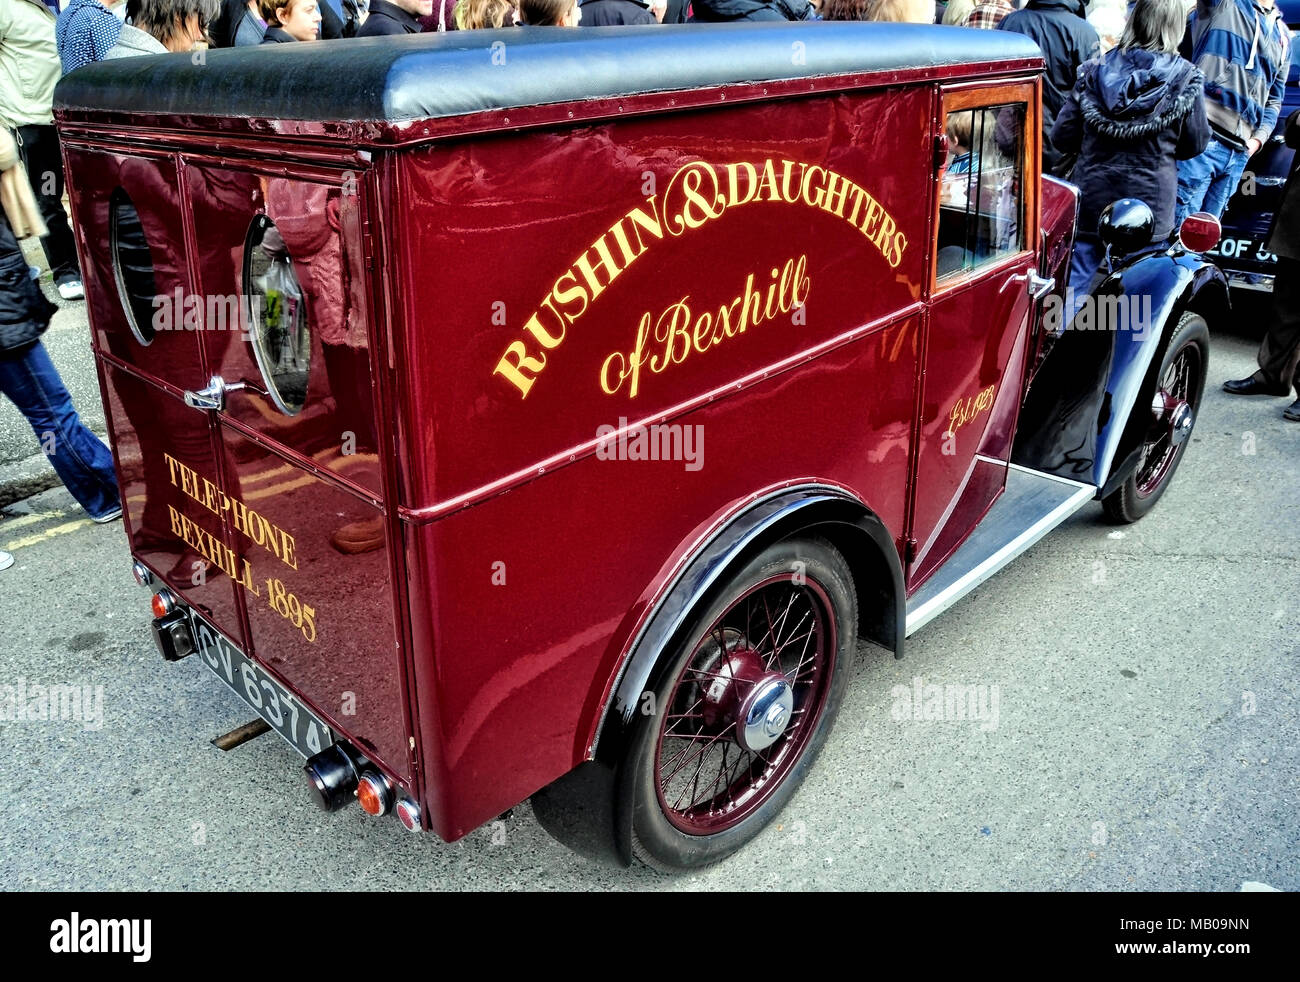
[1032,505]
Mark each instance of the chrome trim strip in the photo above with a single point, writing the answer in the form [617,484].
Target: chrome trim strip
[993,563]
[1260,284]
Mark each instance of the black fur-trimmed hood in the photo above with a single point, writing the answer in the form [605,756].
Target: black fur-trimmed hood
[1128,95]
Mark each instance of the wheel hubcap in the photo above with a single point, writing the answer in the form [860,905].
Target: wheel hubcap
[1180,423]
[767,715]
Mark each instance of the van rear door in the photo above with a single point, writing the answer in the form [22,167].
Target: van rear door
[281,269]
[233,330]
[130,222]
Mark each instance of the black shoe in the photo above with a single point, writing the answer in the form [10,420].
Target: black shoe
[1292,412]
[1253,386]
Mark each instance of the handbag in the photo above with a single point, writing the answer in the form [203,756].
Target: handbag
[24,311]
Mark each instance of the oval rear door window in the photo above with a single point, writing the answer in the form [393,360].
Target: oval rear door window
[132,266]
[277,316]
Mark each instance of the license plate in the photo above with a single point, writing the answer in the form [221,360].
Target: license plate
[299,726]
[1244,249]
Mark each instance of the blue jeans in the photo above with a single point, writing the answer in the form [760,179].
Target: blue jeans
[1084,263]
[82,461]
[1207,182]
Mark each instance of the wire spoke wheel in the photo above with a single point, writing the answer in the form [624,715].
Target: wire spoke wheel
[745,705]
[739,712]
[1178,388]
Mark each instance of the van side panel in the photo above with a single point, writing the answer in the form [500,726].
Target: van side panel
[758,297]
[555,282]
[536,594]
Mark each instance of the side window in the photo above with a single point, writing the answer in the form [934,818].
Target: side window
[277,315]
[981,195]
[132,265]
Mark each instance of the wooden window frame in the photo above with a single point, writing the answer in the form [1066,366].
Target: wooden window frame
[985,95]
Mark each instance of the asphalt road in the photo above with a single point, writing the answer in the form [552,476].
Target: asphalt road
[1147,738]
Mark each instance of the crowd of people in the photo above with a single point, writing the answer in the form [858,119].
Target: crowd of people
[1161,100]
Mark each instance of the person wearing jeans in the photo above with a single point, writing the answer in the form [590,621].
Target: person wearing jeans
[29,69]
[1243,48]
[29,378]
[1207,182]
[38,147]
[79,457]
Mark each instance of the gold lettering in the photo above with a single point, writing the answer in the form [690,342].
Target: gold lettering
[678,333]
[704,322]
[768,180]
[787,168]
[565,297]
[807,181]
[837,189]
[695,195]
[751,183]
[588,269]
[649,223]
[604,371]
[513,371]
[873,213]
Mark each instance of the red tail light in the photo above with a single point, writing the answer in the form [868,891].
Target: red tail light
[162,603]
[1200,232]
[408,813]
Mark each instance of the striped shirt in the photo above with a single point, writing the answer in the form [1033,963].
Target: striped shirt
[1244,50]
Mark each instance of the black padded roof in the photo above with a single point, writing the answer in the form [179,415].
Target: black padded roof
[432,76]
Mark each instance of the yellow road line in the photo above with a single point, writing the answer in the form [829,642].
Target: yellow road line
[49,533]
[16,523]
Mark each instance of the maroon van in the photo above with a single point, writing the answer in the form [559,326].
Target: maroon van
[527,413]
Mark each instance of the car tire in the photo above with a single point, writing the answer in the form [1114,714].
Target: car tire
[1181,379]
[734,682]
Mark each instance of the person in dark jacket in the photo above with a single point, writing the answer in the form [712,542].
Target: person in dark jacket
[394,17]
[1067,41]
[1279,352]
[608,13]
[237,16]
[1132,115]
[707,11]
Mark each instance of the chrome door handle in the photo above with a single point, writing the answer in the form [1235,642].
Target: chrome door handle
[214,396]
[1040,286]
[1037,286]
